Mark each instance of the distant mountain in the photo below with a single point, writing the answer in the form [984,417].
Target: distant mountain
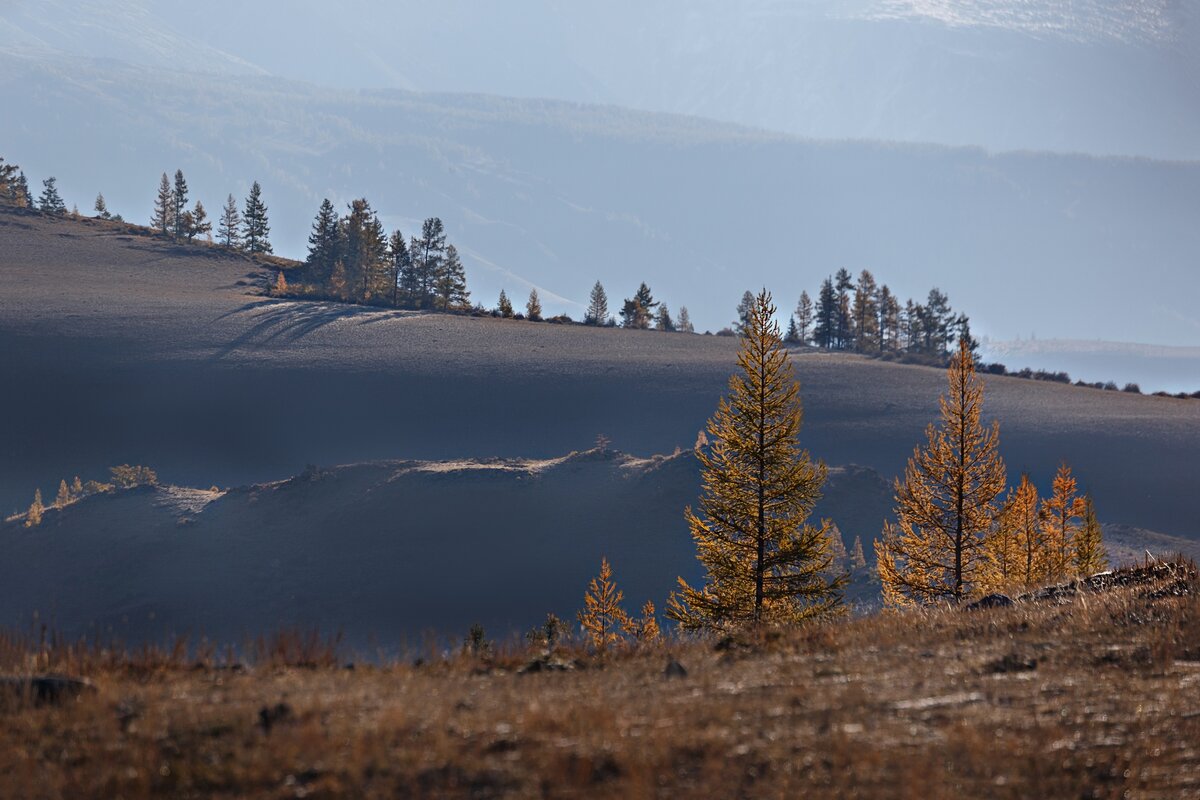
[557,195]
[1112,77]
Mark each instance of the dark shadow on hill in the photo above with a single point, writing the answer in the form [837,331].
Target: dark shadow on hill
[289,321]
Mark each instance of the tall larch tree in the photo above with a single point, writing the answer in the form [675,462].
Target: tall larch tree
[452,291]
[597,308]
[1021,515]
[1004,556]
[179,198]
[866,313]
[51,201]
[196,222]
[533,307]
[101,207]
[504,306]
[1061,517]
[64,494]
[33,517]
[427,254]
[1090,554]
[602,617]
[229,226]
[844,332]
[889,320]
[662,320]
[826,319]
[364,252]
[638,311]
[804,318]
[683,323]
[745,308]
[947,501]
[764,562]
[256,230]
[401,267]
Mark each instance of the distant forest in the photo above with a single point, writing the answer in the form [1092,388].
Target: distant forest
[353,259]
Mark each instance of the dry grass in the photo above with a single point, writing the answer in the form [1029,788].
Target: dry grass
[1094,696]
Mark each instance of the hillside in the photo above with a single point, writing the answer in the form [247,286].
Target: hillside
[557,195]
[128,350]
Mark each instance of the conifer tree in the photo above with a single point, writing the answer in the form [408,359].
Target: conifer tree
[533,307]
[866,313]
[256,230]
[1004,555]
[195,222]
[8,182]
[401,266]
[452,282]
[662,320]
[51,202]
[280,289]
[804,318]
[858,560]
[684,322]
[324,243]
[337,284]
[34,515]
[1020,514]
[837,545]
[602,617]
[228,226]
[77,488]
[638,311]
[427,254]
[826,321]
[889,320]
[597,310]
[644,629]
[1061,515]
[64,494]
[1090,555]
[164,221]
[947,502]
[793,333]
[504,305]
[101,208]
[744,310]
[22,197]
[364,251]
[179,197]
[763,561]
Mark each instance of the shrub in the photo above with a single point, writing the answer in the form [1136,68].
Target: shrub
[1132,388]
[127,477]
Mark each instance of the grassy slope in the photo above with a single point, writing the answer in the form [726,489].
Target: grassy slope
[1093,698]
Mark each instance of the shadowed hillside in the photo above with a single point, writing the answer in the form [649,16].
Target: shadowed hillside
[127,350]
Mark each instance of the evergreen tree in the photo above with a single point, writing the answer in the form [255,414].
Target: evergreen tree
[911,326]
[77,488]
[101,208]
[401,268]
[744,310]
[844,330]
[1061,516]
[427,256]
[597,310]
[22,197]
[793,333]
[64,495]
[229,224]
[684,322]
[826,320]
[337,285]
[837,547]
[196,222]
[364,252]
[164,208]
[947,502]
[504,305]
[34,516]
[533,307]
[256,230]
[858,559]
[764,562]
[8,182]
[1020,515]
[662,320]
[51,202]
[1090,555]
[1004,557]
[804,318]
[452,282]
[889,320]
[179,197]
[324,243]
[602,617]
[866,313]
[639,310]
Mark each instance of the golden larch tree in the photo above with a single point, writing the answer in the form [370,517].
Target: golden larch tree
[644,629]
[1002,549]
[77,488]
[1061,516]
[64,495]
[602,617]
[34,515]
[1090,554]
[763,561]
[1021,513]
[947,501]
